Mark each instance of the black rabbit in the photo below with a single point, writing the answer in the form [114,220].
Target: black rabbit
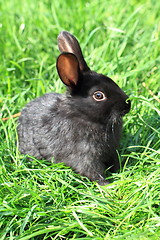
[80,128]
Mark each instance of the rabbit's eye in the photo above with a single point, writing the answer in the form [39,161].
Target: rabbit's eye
[99,96]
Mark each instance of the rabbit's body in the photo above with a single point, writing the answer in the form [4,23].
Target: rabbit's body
[77,128]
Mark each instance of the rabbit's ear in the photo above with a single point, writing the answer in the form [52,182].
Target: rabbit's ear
[68,69]
[68,43]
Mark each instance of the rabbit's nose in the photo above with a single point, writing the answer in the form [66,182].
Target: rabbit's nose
[128,103]
[127,106]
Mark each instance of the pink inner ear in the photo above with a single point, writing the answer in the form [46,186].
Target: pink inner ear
[68,69]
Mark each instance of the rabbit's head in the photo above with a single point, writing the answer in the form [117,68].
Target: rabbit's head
[93,95]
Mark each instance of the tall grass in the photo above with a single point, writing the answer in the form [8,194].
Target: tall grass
[43,200]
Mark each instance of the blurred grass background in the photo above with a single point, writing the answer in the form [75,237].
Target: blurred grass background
[40,200]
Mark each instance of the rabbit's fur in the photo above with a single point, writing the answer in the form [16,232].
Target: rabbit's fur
[80,128]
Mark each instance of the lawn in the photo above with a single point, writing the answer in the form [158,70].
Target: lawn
[43,200]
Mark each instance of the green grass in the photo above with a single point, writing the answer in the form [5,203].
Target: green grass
[41,200]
